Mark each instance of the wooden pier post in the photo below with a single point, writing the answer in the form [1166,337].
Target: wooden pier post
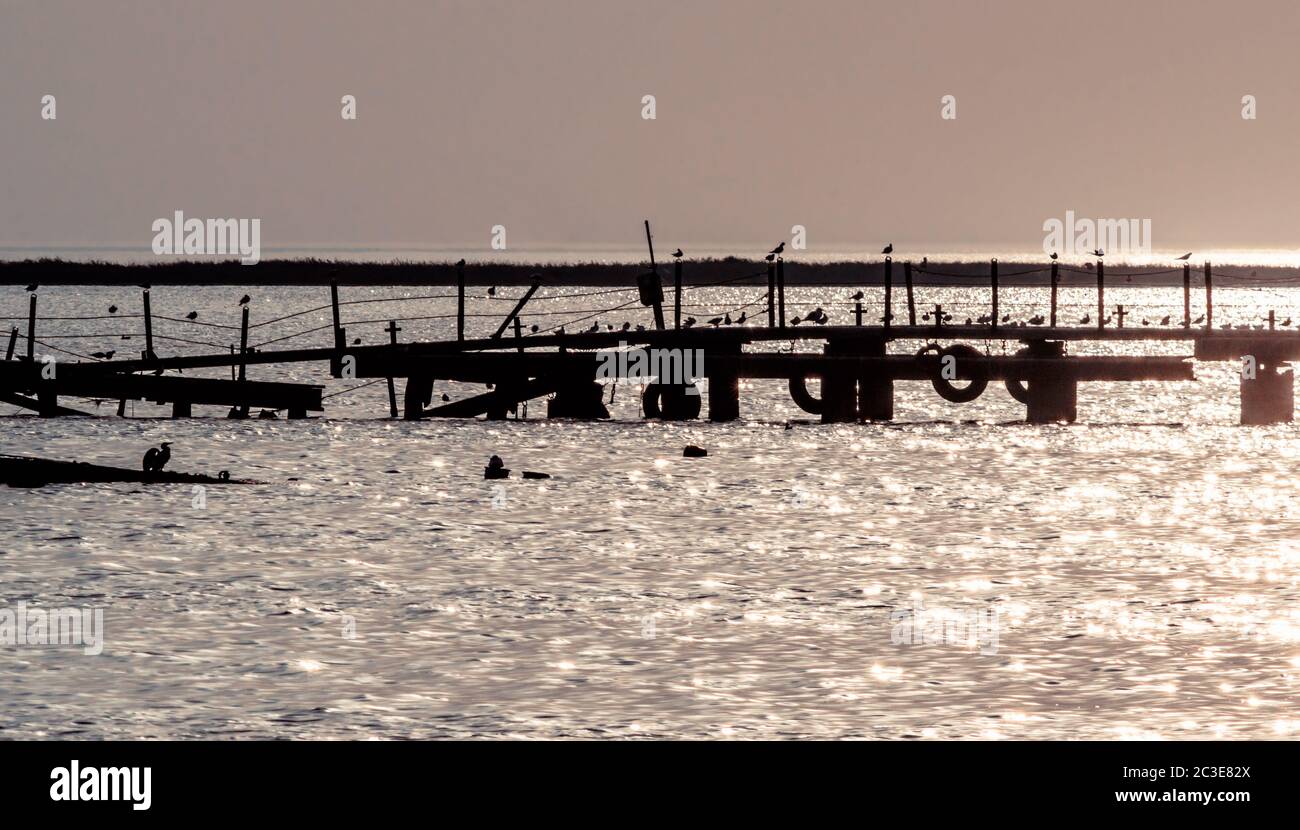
[1056,277]
[724,385]
[1101,294]
[889,291]
[519,336]
[1209,298]
[1272,316]
[1051,399]
[460,300]
[1119,315]
[1269,396]
[911,301]
[419,389]
[1187,295]
[148,328]
[243,344]
[857,313]
[839,388]
[31,329]
[780,290]
[339,334]
[771,296]
[392,330]
[993,283]
[13,340]
[875,389]
[677,294]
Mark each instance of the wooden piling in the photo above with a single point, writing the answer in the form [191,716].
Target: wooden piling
[243,344]
[334,307]
[1101,294]
[1271,317]
[1119,316]
[392,330]
[1209,298]
[889,291]
[519,336]
[677,294]
[1187,295]
[771,296]
[460,301]
[31,329]
[911,301]
[13,340]
[780,290]
[1056,278]
[857,313]
[993,284]
[149,353]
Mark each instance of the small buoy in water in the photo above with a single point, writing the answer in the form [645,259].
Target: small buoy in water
[496,468]
[693,451]
[531,474]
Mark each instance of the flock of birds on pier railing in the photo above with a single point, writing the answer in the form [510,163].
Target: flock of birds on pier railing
[542,306]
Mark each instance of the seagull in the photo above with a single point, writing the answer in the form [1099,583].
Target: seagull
[1146,322]
[1006,318]
[778,250]
[626,325]
[1054,255]
[770,257]
[726,319]
[889,249]
[33,287]
[492,291]
[744,315]
[688,322]
[594,326]
[1036,320]
[144,285]
[244,300]
[677,254]
[460,263]
[112,309]
[193,315]
[1085,320]
[794,321]
[1185,257]
[102,355]
[1164,321]
[1200,319]
[715,321]
[1286,322]
[1099,253]
[856,296]
[157,457]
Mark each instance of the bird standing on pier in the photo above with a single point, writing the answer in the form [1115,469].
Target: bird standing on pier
[32,287]
[1185,257]
[715,322]
[1099,253]
[245,300]
[778,250]
[460,263]
[1054,255]
[112,309]
[1085,319]
[193,315]
[744,315]
[492,291]
[157,457]
[688,322]
[889,249]
[103,355]
[677,254]
[1200,319]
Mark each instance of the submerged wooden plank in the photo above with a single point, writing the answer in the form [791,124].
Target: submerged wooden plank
[27,471]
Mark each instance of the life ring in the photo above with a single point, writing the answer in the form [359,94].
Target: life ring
[803,398]
[944,387]
[677,403]
[1016,387]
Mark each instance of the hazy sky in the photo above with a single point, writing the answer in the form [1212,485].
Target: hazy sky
[528,114]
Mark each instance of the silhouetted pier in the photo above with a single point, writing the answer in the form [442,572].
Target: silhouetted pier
[855,365]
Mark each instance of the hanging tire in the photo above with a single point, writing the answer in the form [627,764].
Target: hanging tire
[1016,387]
[670,402]
[944,387]
[803,398]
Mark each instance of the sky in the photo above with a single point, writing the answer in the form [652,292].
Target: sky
[528,115]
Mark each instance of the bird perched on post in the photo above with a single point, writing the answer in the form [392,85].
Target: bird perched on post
[856,296]
[1185,257]
[33,287]
[157,457]
[1099,253]
[770,257]
[193,315]
[778,250]
[1053,255]
[889,249]
[677,254]
[460,263]
[245,300]
[112,309]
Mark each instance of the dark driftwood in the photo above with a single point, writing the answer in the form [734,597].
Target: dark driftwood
[25,471]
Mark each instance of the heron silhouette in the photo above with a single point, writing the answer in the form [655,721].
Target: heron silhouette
[157,457]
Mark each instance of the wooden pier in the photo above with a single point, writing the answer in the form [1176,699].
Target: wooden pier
[857,365]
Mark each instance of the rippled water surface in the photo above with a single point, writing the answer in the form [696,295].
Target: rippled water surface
[1142,563]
